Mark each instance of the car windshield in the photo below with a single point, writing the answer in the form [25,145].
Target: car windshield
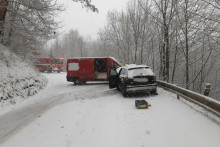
[143,71]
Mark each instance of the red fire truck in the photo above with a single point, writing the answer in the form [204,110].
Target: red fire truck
[58,64]
[49,64]
[81,70]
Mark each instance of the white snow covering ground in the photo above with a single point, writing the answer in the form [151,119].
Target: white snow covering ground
[18,80]
[92,115]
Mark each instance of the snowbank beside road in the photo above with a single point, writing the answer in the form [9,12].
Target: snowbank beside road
[18,79]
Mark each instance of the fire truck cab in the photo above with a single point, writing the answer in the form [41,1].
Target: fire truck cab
[58,64]
[81,70]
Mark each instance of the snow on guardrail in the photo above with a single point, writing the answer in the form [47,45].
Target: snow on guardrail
[199,98]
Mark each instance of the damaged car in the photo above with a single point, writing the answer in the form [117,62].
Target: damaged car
[134,79]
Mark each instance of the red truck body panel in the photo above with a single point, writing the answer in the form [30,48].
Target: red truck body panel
[89,69]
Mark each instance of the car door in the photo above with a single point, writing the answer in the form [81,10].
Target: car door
[113,78]
[113,81]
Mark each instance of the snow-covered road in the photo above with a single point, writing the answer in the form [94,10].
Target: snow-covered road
[64,115]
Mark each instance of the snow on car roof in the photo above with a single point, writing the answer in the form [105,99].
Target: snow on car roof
[130,66]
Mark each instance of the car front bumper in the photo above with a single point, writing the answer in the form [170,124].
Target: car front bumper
[142,88]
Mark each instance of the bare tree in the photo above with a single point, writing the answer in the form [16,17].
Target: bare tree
[166,9]
[88,4]
[25,24]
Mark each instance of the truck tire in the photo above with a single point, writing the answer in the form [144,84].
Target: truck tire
[83,82]
[77,82]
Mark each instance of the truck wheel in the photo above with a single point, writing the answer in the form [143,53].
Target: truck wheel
[83,82]
[77,82]
[58,71]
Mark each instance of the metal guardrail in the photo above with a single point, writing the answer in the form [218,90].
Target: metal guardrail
[192,96]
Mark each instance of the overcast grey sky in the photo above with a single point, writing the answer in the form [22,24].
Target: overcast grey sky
[87,22]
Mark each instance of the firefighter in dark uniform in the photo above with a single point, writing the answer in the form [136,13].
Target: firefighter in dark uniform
[49,69]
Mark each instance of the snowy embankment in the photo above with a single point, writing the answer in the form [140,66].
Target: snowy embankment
[18,80]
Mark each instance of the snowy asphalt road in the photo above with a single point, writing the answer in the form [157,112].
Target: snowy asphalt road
[58,91]
[65,115]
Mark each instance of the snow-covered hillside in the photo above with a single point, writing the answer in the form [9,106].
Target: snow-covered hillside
[18,79]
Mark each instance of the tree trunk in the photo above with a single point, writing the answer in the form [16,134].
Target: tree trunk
[187,45]
[175,56]
[3,10]
[167,54]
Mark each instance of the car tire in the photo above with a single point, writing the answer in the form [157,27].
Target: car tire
[117,87]
[154,92]
[124,92]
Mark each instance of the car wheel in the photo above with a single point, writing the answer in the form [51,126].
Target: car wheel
[124,92]
[154,92]
[117,87]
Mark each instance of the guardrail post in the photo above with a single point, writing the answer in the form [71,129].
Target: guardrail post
[207,89]
[178,97]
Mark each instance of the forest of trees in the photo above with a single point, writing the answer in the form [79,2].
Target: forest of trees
[27,25]
[178,39]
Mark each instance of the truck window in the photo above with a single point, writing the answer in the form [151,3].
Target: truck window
[47,60]
[37,62]
[113,72]
[113,68]
[53,61]
[100,65]
[59,61]
[73,66]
